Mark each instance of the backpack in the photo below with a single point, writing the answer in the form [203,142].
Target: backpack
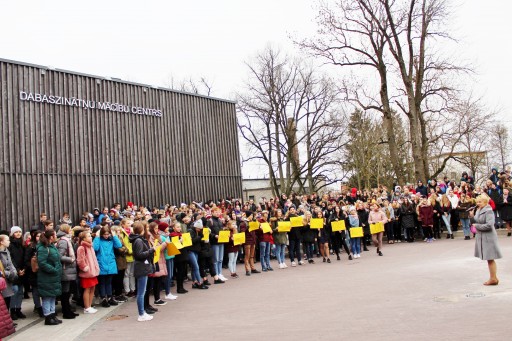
[33,262]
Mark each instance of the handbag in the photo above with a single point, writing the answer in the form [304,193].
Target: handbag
[33,263]
[473,229]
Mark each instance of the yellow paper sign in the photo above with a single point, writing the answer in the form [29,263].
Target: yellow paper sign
[296,221]
[157,253]
[206,234]
[316,223]
[338,226]
[266,227]
[172,250]
[376,228]
[187,240]
[253,226]
[223,237]
[284,226]
[239,238]
[176,242]
[356,232]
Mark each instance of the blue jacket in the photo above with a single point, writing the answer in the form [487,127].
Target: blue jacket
[104,249]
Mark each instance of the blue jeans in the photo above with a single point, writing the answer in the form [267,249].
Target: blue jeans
[294,250]
[218,257]
[280,253]
[170,272]
[141,290]
[105,285]
[17,298]
[355,245]
[309,247]
[192,258]
[265,255]
[465,226]
[48,305]
[446,219]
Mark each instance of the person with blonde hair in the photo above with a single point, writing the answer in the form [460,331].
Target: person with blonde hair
[486,242]
[446,208]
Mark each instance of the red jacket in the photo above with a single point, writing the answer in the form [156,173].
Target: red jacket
[250,237]
[6,325]
[427,215]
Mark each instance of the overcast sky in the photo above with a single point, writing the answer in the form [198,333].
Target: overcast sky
[153,42]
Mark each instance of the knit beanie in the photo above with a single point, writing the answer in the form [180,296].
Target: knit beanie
[15,229]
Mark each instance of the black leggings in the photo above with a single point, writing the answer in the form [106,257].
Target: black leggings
[181,273]
[206,263]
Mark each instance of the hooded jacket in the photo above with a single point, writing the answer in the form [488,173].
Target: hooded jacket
[11,274]
[67,257]
[17,252]
[104,249]
[50,271]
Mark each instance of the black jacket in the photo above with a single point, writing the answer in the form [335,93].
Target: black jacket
[17,256]
[215,226]
[142,255]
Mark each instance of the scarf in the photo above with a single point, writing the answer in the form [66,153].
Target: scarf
[71,250]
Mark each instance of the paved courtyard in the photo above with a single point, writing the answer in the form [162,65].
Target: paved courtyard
[421,291]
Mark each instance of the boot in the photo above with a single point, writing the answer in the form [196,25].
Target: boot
[39,311]
[451,236]
[55,318]
[14,317]
[49,321]
[447,236]
[20,314]
[66,306]
[365,248]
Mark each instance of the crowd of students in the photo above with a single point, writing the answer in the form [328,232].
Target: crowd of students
[123,252]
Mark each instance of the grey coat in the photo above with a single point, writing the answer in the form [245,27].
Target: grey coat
[486,245]
[67,259]
[11,274]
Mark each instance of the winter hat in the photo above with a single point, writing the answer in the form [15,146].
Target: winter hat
[162,226]
[15,229]
[198,224]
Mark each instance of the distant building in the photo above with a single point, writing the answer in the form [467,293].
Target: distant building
[260,188]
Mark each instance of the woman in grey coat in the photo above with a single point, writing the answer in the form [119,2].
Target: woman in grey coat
[68,260]
[486,246]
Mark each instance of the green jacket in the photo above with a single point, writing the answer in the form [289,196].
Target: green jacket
[50,271]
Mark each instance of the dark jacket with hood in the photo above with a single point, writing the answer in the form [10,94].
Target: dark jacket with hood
[143,256]
[17,252]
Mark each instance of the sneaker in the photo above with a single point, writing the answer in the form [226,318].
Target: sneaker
[206,282]
[301,263]
[294,264]
[281,266]
[90,310]
[218,281]
[121,298]
[144,318]
[328,260]
[234,275]
[105,303]
[160,302]
[270,269]
[349,257]
[221,276]
[247,273]
[170,297]
[151,310]
[285,266]
[254,271]
[264,270]
[112,301]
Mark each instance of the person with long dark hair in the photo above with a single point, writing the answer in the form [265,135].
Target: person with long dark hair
[49,275]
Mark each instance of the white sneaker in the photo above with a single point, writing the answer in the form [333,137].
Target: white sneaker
[301,263]
[222,277]
[170,297]
[294,264]
[90,310]
[145,317]
[285,266]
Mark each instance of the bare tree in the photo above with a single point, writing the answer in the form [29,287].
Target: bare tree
[499,138]
[286,112]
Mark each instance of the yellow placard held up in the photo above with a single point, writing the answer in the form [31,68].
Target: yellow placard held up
[156,257]
[296,221]
[206,234]
[284,226]
[239,238]
[253,226]
[187,240]
[172,250]
[176,242]
[376,228]
[223,237]
[338,226]
[316,223]
[266,227]
[356,232]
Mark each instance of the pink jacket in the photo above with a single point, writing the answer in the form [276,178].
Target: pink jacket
[375,217]
[86,259]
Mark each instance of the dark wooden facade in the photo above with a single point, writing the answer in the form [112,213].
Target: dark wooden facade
[57,158]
